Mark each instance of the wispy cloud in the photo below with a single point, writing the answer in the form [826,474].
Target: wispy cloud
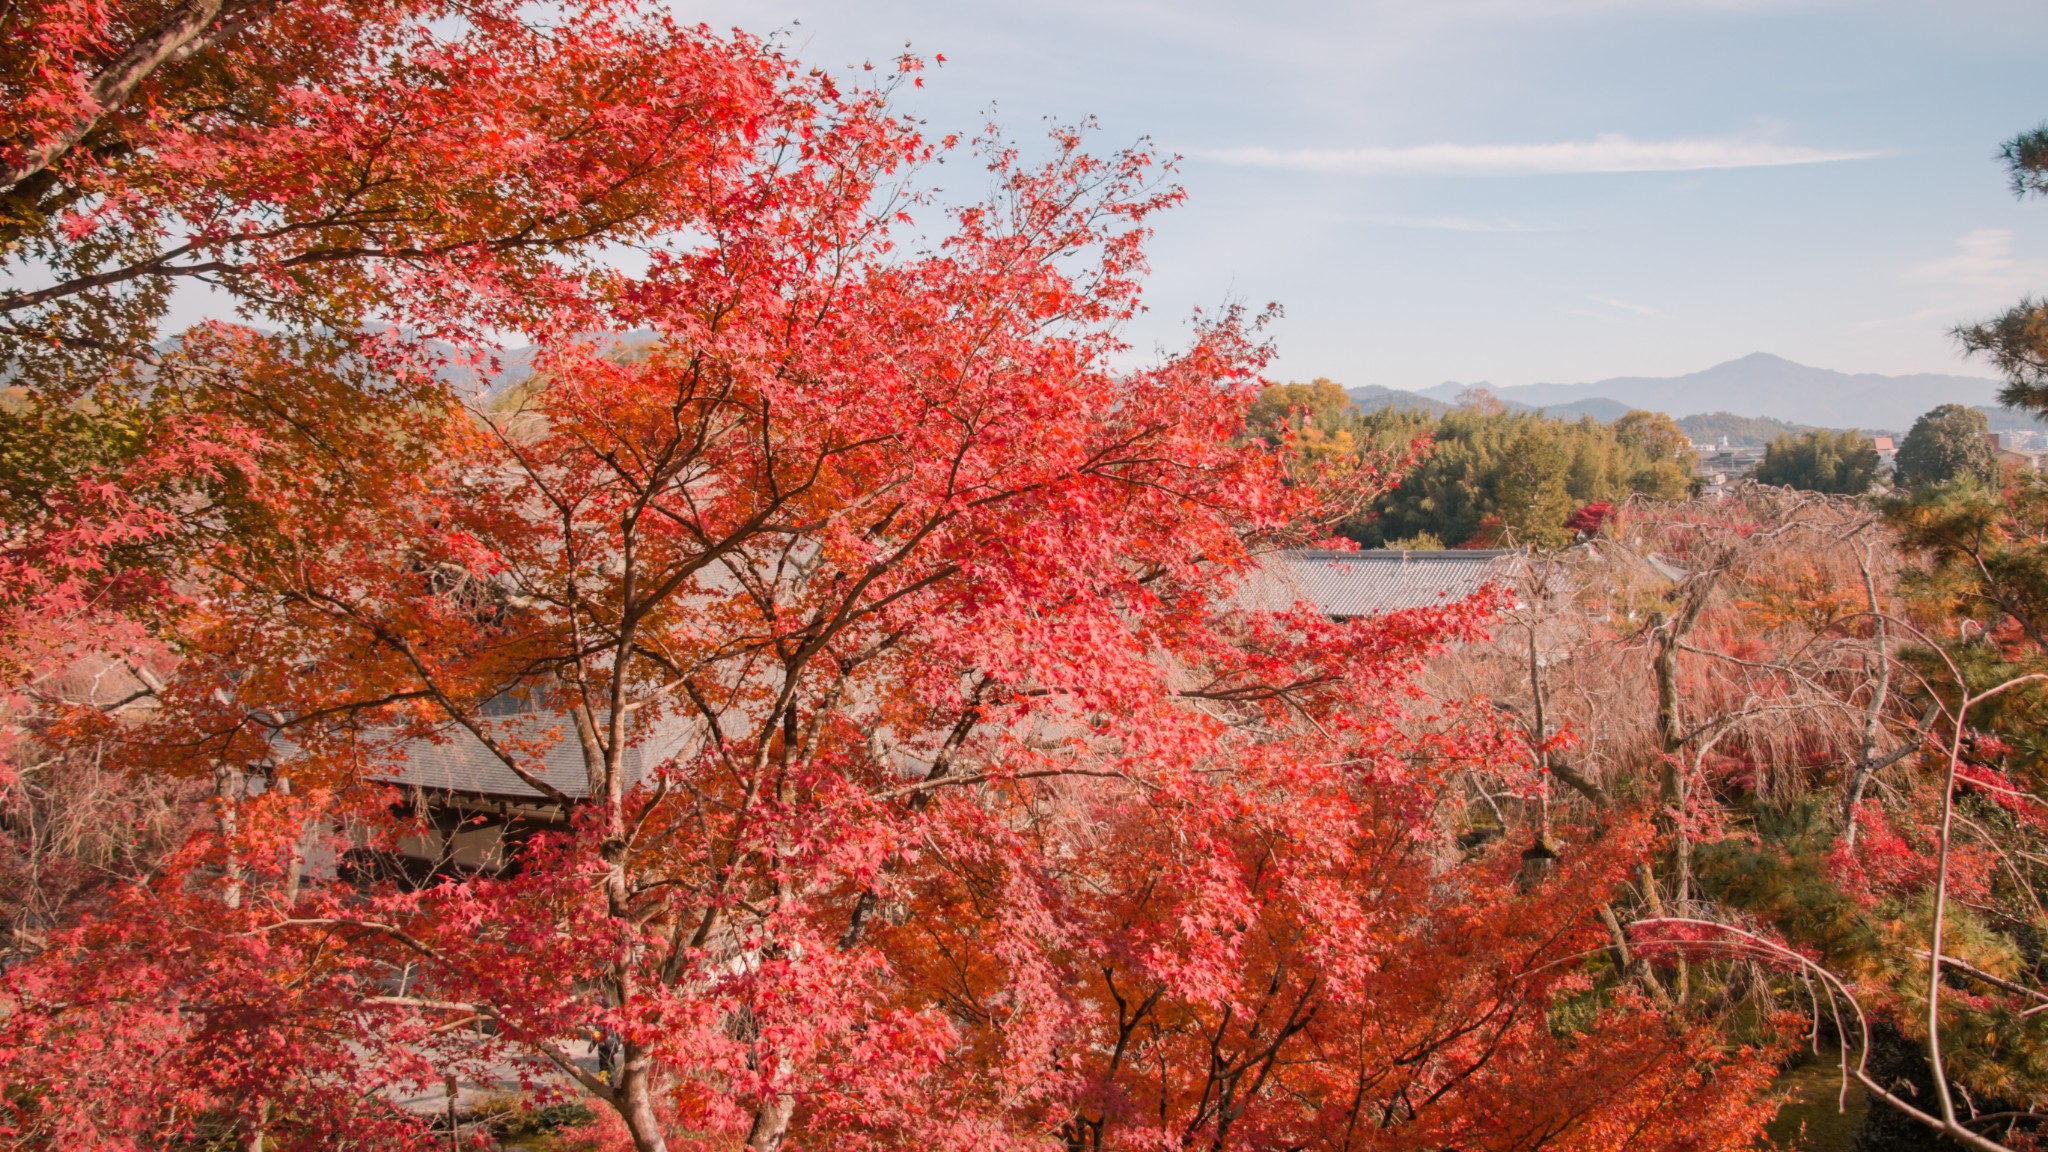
[1983,272]
[1612,311]
[1605,153]
[1624,306]
[1458,224]
[1983,259]
[1546,9]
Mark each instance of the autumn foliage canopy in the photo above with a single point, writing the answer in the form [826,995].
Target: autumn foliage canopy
[935,783]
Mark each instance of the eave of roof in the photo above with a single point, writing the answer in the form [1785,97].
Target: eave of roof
[1348,585]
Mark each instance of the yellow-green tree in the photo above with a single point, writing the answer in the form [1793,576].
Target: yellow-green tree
[1821,461]
[1501,476]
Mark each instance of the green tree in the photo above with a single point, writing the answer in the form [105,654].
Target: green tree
[1821,461]
[1492,475]
[1984,578]
[1499,475]
[1532,489]
[1667,461]
[2017,339]
[1949,442]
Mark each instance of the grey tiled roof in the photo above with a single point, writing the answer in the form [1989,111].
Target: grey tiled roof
[1370,583]
[1339,584]
[460,763]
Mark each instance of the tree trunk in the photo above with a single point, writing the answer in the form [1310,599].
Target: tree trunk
[1873,712]
[1671,746]
[259,1131]
[635,1101]
[1539,734]
[771,1123]
[604,769]
[228,786]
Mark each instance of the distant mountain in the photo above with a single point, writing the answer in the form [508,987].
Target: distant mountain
[2013,420]
[1598,407]
[515,365]
[1762,385]
[1450,391]
[1372,398]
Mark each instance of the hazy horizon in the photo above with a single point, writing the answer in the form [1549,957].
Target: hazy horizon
[1967,370]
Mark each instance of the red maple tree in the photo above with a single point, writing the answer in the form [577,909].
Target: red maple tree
[934,781]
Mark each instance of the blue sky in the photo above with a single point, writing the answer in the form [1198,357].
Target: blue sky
[1527,190]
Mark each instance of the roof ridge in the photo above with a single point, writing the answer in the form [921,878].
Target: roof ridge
[1402,553]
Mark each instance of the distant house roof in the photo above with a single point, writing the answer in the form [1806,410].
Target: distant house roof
[1339,584]
[1347,585]
[2031,461]
[460,762]
[1666,568]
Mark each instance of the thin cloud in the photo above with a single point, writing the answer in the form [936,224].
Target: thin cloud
[1459,224]
[1547,9]
[1624,306]
[1601,154]
[1983,259]
[1983,272]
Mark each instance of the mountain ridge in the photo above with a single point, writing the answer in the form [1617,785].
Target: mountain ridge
[1759,385]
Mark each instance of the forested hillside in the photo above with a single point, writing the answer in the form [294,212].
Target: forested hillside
[1740,431]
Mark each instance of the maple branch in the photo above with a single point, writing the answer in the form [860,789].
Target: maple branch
[432,1005]
[1626,963]
[561,1059]
[1251,693]
[432,687]
[984,777]
[220,266]
[391,930]
[113,84]
[1861,773]
[942,763]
